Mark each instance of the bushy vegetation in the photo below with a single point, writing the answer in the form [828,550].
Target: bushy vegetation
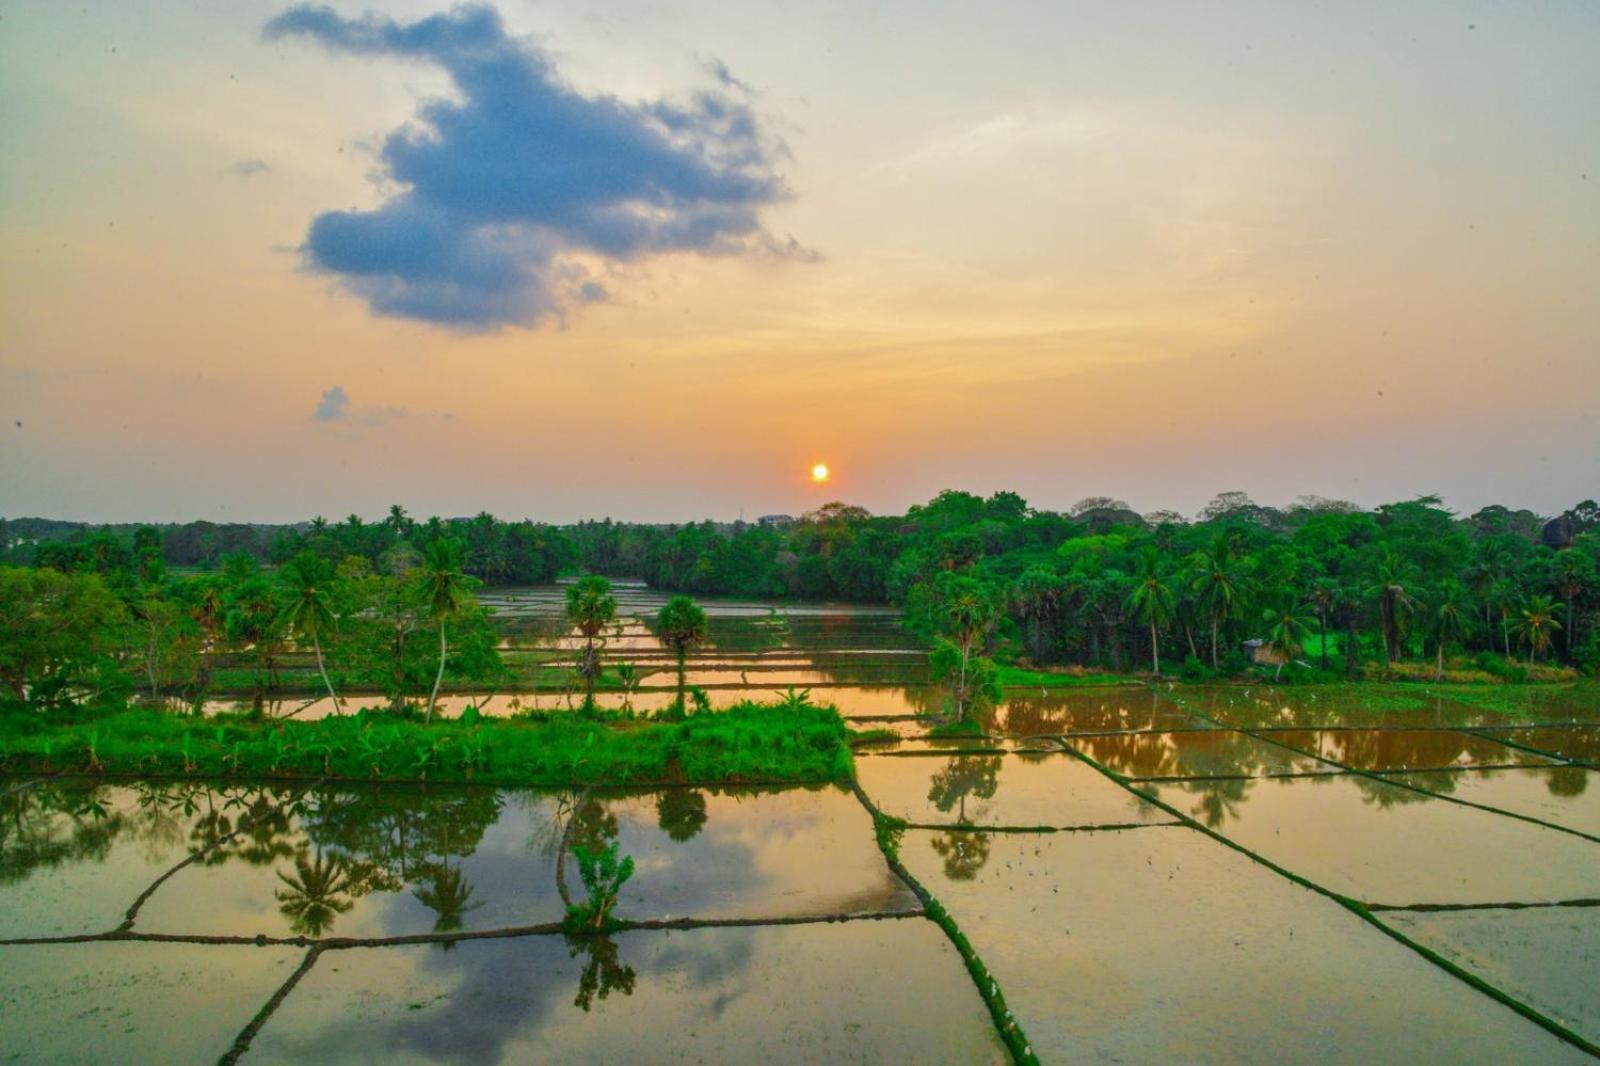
[747,743]
[1322,588]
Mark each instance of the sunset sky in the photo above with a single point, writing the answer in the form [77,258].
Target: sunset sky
[656,260]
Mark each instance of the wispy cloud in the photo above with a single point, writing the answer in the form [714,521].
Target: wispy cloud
[249,168]
[514,190]
[335,408]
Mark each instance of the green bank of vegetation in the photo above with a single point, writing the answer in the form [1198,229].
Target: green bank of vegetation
[749,743]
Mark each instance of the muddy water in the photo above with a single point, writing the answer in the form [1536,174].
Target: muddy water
[1039,712]
[1406,749]
[395,861]
[1212,753]
[74,855]
[884,991]
[130,1003]
[1580,744]
[1157,944]
[1056,791]
[1567,796]
[1547,957]
[1380,843]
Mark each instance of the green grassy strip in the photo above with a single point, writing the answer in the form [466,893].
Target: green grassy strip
[888,831]
[750,743]
[1361,910]
[241,1043]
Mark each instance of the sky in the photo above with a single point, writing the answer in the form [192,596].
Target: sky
[653,261]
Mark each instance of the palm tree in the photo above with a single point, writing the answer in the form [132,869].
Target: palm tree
[1537,626]
[307,612]
[680,626]
[1449,622]
[967,617]
[1035,596]
[445,591]
[1151,599]
[1218,585]
[590,607]
[1286,633]
[1502,597]
[1323,597]
[1394,590]
[1574,573]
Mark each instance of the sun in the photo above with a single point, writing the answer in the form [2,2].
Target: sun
[819,473]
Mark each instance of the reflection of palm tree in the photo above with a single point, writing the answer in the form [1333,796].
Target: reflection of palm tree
[312,900]
[964,775]
[964,853]
[604,973]
[448,895]
[1219,798]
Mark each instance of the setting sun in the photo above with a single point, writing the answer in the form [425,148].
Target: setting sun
[819,472]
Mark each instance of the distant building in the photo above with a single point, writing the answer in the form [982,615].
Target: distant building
[1261,653]
[776,521]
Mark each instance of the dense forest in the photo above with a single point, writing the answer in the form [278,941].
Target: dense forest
[1324,587]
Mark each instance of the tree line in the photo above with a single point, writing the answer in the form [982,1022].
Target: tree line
[1323,588]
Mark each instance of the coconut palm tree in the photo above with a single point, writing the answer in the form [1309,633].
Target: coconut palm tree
[590,608]
[1449,622]
[1323,598]
[1218,584]
[1151,599]
[307,610]
[1574,574]
[1394,587]
[1537,626]
[966,618]
[445,591]
[680,626]
[1287,629]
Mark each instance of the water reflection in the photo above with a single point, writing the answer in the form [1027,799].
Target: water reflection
[1014,789]
[1210,753]
[1406,749]
[384,861]
[963,776]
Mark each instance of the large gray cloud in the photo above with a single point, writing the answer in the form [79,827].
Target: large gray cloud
[502,188]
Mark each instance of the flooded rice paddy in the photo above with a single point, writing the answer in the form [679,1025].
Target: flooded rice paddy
[1146,874]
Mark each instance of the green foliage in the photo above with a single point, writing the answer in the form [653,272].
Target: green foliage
[603,873]
[747,743]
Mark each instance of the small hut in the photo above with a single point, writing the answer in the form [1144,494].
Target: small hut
[1262,654]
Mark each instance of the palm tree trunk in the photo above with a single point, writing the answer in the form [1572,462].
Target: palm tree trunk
[1322,636]
[323,669]
[1155,650]
[433,697]
[1214,623]
[1438,667]
[682,706]
[961,688]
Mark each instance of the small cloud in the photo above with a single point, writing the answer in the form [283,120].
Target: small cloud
[332,407]
[247,168]
[506,195]
[335,409]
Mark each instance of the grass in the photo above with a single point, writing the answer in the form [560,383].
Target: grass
[748,743]
[1025,678]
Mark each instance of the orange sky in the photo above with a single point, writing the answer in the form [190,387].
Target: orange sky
[1061,249]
